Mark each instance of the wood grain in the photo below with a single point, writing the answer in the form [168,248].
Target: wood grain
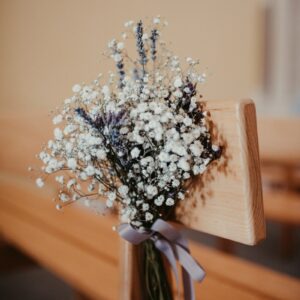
[227,200]
[130,260]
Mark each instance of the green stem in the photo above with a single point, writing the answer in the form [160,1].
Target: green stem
[156,278]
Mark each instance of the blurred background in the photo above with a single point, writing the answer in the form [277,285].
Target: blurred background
[248,49]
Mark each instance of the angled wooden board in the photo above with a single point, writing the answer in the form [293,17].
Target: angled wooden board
[226,201]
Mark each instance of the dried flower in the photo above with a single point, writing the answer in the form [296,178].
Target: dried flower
[153,38]
[140,45]
[39,182]
[136,139]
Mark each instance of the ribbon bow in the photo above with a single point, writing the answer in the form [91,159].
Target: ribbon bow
[174,246]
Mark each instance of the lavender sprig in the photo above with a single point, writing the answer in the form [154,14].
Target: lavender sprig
[120,67]
[140,45]
[116,49]
[84,115]
[153,38]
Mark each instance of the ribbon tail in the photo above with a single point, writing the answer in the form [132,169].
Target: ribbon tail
[164,247]
[188,286]
[190,264]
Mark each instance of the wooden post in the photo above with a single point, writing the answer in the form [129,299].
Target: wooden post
[130,272]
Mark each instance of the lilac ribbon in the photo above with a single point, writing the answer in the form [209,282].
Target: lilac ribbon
[174,246]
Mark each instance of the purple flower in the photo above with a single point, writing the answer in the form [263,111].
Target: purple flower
[140,45]
[153,38]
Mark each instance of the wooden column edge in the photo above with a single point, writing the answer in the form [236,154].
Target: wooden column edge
[247,113]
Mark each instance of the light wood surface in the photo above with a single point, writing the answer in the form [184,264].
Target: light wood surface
[282,206]
[81,248]
[130,260]
[262,283]
[227,200]
[279,140]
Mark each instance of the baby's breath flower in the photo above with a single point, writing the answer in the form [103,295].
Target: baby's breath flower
[152,190]
[135,152]
[72,163]
[90,170]
[183,164]
[180,196]
[58,134]
[76,88]
[145,207]
[156,20]
[123,190]
[196,149]
[170,202]
[159,201]
[178,82]
[101,154]
[39,182]
[60,179]
[70,183]
[57,119]
[136,138]
[148,216]
[64,197]
[175,183]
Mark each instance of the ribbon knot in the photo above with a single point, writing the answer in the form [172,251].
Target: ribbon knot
[174,246]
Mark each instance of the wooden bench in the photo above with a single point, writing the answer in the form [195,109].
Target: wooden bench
[81,248]
[283,207]
[279,144]
[279,141]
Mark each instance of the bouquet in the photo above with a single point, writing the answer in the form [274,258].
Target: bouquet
[134,140]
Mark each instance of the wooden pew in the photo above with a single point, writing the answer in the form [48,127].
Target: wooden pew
[283,206]
[279,141]
[279,145]
[81,248]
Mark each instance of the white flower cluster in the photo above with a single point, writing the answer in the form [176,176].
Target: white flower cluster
[136,140]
